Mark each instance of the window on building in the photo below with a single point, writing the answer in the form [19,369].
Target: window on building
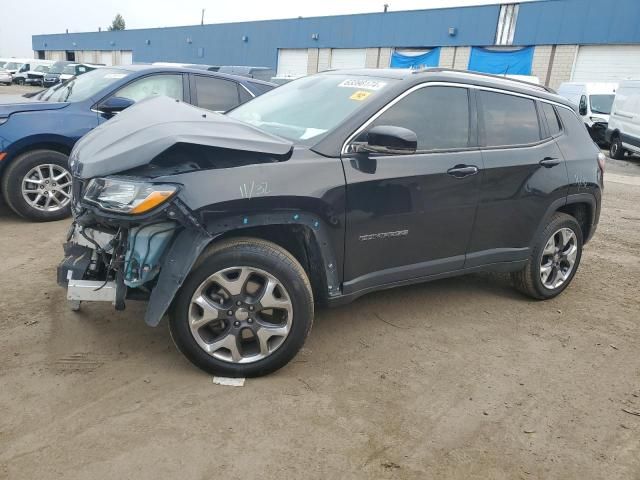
[552,119]
[216,94]
[153,85]
[508,120]
[438,115]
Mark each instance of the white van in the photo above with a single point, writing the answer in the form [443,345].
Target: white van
[624,123]
[593,102]
[32,72]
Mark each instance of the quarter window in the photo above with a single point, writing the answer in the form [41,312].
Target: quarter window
[508,120]
[153,85]
[438,115]
[216,94]
[552,119]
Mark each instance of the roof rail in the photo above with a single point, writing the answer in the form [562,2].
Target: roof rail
[488,75]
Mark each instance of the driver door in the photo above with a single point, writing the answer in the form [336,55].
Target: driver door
[411,215]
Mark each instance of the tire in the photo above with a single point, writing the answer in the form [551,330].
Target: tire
[235,255]
[616,150]
[19,81]
[529,280]
[20,169]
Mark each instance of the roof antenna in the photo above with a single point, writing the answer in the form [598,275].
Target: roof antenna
[202,18]
[386,7]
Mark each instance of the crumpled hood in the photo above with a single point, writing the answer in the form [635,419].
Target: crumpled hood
[16,103]
[140,133]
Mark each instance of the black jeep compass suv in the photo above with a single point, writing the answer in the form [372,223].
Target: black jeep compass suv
[320,191]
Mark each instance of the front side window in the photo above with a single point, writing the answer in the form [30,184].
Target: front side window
[151,86]
[508,119]
[216,94]
[439,116]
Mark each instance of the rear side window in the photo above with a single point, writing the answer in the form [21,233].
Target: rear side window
[216,94]
[508,120]
[552,119]
[438,115]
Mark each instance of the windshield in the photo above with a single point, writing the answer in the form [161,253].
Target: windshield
[307,108]
[601,103]
[13,66]
[41,68]
[85,86]
[69,70]
[57,67]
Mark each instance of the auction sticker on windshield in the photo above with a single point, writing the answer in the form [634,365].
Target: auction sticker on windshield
[362,83]
[360,95]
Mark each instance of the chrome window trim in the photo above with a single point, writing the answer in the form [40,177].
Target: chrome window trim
[248,91]
[344,150]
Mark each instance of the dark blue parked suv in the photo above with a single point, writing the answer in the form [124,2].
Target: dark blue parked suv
[38,133]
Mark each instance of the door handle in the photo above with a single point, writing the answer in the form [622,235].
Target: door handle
[549,162]
[461,171]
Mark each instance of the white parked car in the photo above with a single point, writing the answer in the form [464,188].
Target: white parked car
[593,101]
[624,123]
[5,77]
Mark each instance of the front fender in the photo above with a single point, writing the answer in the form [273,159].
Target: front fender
[177,264]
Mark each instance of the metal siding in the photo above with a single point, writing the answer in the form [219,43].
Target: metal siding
[223,43]
[578,22]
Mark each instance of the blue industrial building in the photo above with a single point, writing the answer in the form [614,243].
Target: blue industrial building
[554,40]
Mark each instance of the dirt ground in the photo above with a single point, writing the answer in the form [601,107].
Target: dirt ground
[459,378]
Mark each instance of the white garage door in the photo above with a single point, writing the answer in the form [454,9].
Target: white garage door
[106,58]
[126,57]
[292,62]
[607,63]
[348,57]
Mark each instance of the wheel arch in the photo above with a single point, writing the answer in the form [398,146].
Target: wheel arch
[48,142]
[302,234]
[582,206]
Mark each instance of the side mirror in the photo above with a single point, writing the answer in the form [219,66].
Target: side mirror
[582,110]
[390,140]
[113,105]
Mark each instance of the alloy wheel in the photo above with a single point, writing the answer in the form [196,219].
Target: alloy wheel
[240,314]
[47,187]
[558,258]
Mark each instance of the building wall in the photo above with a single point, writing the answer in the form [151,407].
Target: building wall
[462,55]
[312,61]
[541,62]
[562,67]
[447,55]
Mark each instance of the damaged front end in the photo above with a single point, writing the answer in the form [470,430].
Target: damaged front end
[133,236]
[124,234]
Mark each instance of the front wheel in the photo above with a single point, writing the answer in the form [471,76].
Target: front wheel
[554,261]
[19,81]
[244,311]
[37,185]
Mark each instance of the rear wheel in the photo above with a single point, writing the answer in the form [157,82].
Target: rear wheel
[616,150]
[244,311]
[19,81]
[37,185]
[554,261]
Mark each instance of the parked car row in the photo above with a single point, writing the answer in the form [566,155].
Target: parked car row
[43,73]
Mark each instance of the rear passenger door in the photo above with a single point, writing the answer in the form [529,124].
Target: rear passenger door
[524,174]
[217,94]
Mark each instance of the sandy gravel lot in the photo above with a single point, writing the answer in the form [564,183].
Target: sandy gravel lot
[459,378]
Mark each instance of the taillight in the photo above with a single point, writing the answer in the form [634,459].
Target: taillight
[601,161]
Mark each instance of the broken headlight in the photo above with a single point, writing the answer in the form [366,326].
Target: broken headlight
[127,196]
